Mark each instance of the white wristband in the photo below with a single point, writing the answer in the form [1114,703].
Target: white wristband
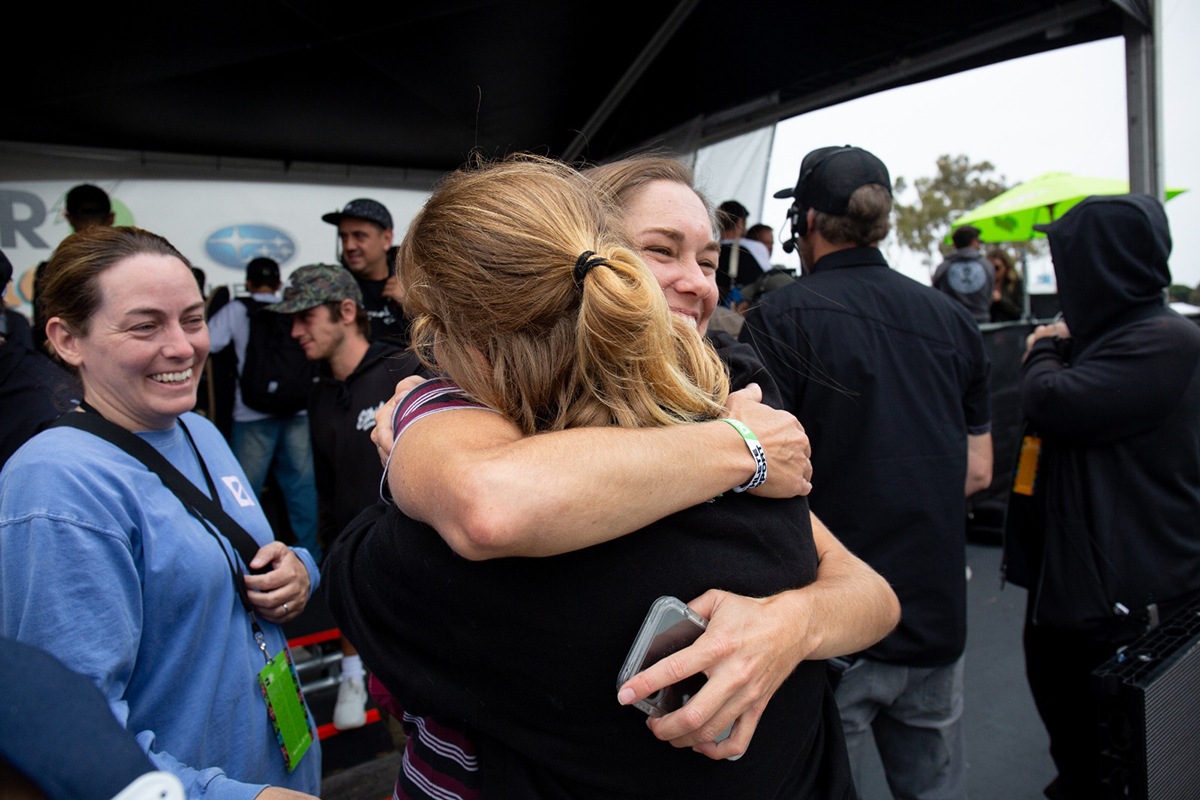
[756,450]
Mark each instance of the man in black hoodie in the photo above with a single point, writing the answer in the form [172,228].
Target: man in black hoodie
[355,377]
[1102,523]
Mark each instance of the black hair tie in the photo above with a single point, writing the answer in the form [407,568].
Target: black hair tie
[584,264]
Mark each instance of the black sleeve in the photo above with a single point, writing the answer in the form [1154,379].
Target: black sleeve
[782,349]
[1124,386]
[745,367]
[977,399]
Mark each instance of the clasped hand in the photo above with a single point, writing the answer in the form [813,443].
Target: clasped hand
[281,593]
[786,445]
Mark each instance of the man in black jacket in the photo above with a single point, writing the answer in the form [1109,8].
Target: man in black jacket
[891,381]
[1102,522]
[355,378]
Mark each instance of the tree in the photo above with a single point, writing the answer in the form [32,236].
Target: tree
[958,187]
[1179,293]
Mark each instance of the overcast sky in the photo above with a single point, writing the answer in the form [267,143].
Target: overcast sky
[1062,111]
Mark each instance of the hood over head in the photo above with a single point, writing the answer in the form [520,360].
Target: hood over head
[1110,258]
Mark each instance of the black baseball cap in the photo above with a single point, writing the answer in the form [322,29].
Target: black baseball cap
[829,175]
[734,210]
[263,271]
[362,208]
[86,199]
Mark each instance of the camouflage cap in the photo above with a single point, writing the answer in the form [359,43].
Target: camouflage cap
[315,284]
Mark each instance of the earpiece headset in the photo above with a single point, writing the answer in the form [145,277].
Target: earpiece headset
[798,213]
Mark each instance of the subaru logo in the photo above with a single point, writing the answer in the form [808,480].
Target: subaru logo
[237,245]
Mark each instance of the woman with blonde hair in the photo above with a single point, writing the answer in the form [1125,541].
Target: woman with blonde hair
[525,651]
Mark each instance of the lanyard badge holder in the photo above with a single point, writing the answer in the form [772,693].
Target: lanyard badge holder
[277,681]
[280,688]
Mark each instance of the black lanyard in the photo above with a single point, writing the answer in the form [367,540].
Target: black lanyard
[194,501]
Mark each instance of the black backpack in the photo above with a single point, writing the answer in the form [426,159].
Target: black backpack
[277,376]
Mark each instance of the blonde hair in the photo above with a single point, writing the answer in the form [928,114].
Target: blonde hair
[489,268]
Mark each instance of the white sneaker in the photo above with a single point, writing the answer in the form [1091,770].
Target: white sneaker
[351,708]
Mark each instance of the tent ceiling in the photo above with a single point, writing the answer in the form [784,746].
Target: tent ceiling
[384,85]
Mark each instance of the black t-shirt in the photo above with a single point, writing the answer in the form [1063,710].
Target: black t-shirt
[888,377]
[527,651]
[387,318]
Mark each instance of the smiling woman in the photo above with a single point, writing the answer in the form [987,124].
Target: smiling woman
[107,569]
[140,352]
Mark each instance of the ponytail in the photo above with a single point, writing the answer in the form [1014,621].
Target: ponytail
[504,305]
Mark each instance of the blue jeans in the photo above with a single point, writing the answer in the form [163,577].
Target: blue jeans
[283,444]
[915,715]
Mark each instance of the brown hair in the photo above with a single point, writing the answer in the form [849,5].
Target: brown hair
[620,180]
[865,222]
[361,321]
[490,270]
[1010,272]
[71,280]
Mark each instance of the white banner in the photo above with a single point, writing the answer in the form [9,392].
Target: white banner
[218,225]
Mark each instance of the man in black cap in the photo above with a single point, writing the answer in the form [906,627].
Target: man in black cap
[86,207]
[891,381]
[365,238]
[966,275]
[1102,519]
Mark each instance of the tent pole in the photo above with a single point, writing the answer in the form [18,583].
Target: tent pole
[1143,91]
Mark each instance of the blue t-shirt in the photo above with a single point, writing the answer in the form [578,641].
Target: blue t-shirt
[101,566]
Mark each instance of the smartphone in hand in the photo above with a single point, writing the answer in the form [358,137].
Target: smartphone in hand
[670,626]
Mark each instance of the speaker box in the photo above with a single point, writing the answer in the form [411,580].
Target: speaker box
[1148,699]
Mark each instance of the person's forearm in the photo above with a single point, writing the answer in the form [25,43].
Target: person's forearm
[848,608]
[554,493]
[979,463]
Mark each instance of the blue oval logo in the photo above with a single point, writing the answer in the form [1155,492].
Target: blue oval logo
[237,245]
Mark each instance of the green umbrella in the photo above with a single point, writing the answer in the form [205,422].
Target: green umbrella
[1010,217]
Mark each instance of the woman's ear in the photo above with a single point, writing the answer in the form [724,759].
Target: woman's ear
[66,343]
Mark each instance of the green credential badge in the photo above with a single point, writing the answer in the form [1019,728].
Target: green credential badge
[285,708]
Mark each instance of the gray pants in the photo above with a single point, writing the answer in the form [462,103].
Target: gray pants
[915,715]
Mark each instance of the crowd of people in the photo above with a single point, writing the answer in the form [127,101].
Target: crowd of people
[606,442]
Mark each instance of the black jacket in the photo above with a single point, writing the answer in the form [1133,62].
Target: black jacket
[1111,525]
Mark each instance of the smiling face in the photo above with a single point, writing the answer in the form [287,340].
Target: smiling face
[670,227]
[318,332]
[364,248]
[141,358]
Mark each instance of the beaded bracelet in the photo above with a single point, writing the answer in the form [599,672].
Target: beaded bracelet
[756,450]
